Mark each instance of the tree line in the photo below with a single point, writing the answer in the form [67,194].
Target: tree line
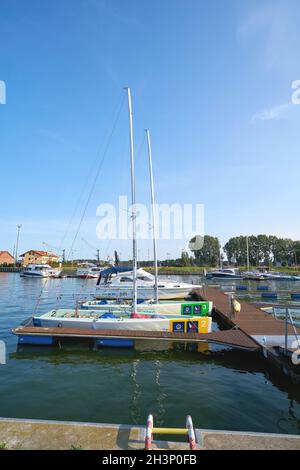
[262,249]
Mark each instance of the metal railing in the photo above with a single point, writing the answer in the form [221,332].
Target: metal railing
[288,320]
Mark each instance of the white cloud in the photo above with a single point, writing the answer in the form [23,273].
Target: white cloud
[269,114]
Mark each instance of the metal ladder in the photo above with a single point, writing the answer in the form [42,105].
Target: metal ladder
[188,431]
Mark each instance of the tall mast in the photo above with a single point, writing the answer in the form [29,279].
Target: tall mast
[247,245]
[153,213]
[134,248]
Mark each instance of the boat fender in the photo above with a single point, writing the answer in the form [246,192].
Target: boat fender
[235,306]
[138,315]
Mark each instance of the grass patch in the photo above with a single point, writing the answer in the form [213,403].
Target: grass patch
[3,446]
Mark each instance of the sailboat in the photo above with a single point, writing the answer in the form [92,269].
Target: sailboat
[148,286]
[190,317]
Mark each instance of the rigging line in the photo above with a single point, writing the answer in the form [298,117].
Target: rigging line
[89,174]
[97,173]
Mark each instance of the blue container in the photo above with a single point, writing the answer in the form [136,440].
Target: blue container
[295,296]
[262,287]
[269,295]
[115,342]
[241,288]
[38,340]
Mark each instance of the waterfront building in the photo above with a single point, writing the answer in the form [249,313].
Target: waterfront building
[38,257]
[6,258]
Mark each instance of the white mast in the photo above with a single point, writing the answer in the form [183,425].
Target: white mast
[247,245]
[134,250]
[153,214]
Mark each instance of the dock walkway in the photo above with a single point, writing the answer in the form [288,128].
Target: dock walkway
[29,434]
[251,320]
[233,338]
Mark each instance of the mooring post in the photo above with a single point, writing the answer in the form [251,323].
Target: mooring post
[286,329]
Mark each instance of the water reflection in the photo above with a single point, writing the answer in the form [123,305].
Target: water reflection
[221,387]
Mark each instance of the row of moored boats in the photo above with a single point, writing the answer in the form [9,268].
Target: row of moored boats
[128,298]
[231,273]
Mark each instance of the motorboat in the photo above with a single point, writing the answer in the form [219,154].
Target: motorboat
[253,276]
[88,271]
[121,286]
[117,320]
[277,276]
[40,270]
[162,308]
[226,273]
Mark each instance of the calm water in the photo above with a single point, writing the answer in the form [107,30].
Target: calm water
[221,389]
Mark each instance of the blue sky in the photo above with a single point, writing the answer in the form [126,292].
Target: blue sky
[211,79]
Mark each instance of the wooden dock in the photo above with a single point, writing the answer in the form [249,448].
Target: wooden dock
[234,338]
[251,329]
[251,320]
[268,333]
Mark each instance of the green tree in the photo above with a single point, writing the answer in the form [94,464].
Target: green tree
[185,259]
[296,249]
[209,253]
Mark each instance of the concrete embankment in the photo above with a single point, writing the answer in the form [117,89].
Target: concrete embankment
[21,434]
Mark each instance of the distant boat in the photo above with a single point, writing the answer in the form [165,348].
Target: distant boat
[121,286]
[88,271]
[226,273]
[253,276]
[277,276]
[40,270]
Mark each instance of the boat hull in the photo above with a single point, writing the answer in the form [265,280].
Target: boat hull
[143,293]
[163,308]
[61,319]
[223,276]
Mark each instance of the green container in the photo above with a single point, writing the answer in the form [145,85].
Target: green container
[195,308]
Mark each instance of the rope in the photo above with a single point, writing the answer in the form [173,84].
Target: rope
[97,174]
[91,171]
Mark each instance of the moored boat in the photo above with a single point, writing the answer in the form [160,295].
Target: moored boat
[40,271]
[162,308]
[93,319]
[88,271]
[226,273]
[121,286]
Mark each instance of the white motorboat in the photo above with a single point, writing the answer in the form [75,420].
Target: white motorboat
[40,270]
[226,273]
[162,308]
[121,286]
[277,276]
[93,319]
[88,271]
[253,276]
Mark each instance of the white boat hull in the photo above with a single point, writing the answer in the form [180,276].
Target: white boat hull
[41,275]
[133,324]
[145,293]
[162,308]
